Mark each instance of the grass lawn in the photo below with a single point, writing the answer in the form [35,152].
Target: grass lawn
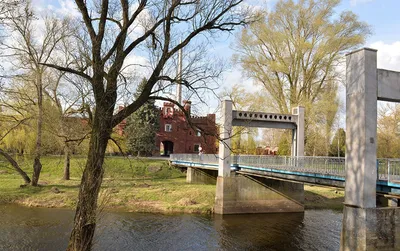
[141,185]
[317,197]
[136,185]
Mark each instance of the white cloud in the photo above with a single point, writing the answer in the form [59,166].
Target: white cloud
[68,8]
[388,55]
[62,8]
[357,2]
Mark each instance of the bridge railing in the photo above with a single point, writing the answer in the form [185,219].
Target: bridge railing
[204,158]
[387,169]
[325,165]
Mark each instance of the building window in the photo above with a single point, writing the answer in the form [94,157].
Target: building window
[198,133]
[196,148]
[168,127]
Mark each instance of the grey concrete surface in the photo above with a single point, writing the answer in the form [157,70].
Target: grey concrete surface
[201,176]
[241,195]
[226,132]
[388,85]
[361,124]
[370,229]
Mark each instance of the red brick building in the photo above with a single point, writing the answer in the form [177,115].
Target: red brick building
[177,136]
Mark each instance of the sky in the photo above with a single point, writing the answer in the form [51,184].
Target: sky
[384,18]
[381,15]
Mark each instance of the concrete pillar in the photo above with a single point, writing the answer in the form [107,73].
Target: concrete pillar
[224,165]
[298,133]
[190,175]
[370,229]
[244,194]
[361,125]
[393,202]
[362,221]
[294,143]
[201,176]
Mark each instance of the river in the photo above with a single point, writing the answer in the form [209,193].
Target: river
[24,228]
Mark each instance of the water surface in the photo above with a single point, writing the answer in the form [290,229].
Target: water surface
[48,229]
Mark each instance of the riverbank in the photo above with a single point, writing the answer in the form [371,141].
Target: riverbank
[132,185]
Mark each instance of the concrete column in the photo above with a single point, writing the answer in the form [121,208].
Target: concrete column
[244,194]
[224,167]
[365,227]
[294,143]
[393,202]
[298,133]
[190,175]
[201,176]
[361,124]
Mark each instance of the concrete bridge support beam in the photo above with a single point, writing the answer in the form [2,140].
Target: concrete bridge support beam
[370,229]
[224,164]
[382,201]
[365,227]
[298,133]
[240,194]
[393,202]
[201,176]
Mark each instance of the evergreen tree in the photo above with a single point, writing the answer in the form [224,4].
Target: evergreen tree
[141,128]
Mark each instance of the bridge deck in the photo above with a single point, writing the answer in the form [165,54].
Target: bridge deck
[325,171]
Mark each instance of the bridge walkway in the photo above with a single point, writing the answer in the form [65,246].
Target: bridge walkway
[327,171]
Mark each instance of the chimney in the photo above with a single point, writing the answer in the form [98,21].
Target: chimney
[187,105]
[179,75]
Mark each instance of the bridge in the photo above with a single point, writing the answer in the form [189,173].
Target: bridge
[254,184]
[325,171]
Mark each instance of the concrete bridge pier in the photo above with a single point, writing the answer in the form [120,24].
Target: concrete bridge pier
[239,194]
[366,227]
[201,176]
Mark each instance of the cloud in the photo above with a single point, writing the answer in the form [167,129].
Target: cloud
[63,8]
[358,2]
[388,55]
[68,8]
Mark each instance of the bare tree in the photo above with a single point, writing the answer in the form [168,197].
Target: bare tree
[68,121]
[115,30]
[6,6]
[29,48]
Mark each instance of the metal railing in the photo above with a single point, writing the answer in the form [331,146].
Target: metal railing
[387,169]
[203,158]
[323,165]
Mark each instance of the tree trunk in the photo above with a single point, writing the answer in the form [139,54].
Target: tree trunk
[16,166]
[37,166]
[85,215]
[67,162]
